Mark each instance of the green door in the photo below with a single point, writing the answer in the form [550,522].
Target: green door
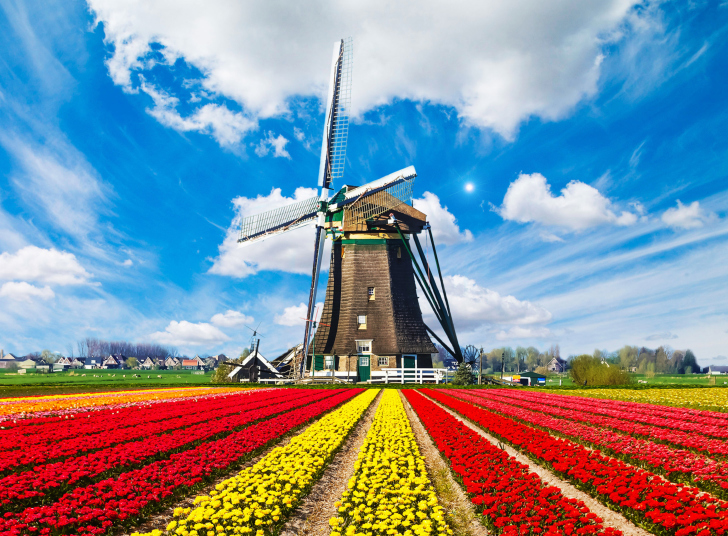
[409,361]
[318,363]
[364,368]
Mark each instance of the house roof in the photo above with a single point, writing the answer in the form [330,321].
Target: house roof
[190,363]
[261,359]
[9,357]
[719,368]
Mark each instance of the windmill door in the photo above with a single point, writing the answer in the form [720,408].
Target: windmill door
[364,368]
[409,361]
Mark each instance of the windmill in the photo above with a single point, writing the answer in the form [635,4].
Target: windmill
[371,299]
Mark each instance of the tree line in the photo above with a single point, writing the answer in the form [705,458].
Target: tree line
[92,347]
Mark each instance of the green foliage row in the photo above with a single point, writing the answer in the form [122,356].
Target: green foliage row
[590,370]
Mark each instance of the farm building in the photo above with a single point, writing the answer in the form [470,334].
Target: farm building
[717,369]
[557,365]
[254,368]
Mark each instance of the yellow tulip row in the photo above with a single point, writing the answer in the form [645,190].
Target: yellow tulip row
[70,402]
[709,399]
[390,492]
[259,499]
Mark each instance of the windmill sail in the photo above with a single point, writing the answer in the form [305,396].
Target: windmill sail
[336,128]
[279,220]
[331,167]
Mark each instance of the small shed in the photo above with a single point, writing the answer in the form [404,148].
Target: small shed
[532,378]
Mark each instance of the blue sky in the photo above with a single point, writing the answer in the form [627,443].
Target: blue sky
[133,137]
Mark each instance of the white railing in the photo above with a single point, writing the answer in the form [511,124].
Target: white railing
[407,375]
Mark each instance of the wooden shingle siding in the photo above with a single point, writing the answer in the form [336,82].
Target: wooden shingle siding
[394,318]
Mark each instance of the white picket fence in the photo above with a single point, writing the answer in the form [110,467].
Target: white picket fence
[407,375]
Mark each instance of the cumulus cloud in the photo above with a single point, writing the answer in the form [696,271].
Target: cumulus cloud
[190,334]
[286,252]
[580,206]
[22,291]
[292,316]
[497,63]
[49,266]
[445,229]
[474,306]
[231,319]
[277,144]
[685,216]
[127,263]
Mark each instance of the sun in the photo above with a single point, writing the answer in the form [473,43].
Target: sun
[469,187]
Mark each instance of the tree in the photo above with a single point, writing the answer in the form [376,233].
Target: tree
[521,354]
[463,375]
[532,358]
[132,362]
[627,357]
[690,362]
[49,357]
[221,372]
[589,370]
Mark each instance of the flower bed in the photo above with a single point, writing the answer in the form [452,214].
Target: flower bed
[677,465]
[714,399]
[513,500]
[49,481]
[710,424]
[79,437]
[17,409]
[648,499]
[260,498]
[390,492]
[110,503]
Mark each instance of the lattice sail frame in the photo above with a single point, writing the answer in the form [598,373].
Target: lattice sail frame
[278,220]
[378,203]
[340,115]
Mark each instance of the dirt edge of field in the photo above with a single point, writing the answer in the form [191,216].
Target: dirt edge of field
[462,518]
[311,518]
[610,517]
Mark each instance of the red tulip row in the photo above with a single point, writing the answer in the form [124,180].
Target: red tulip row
[83,425]
[715,448]
[715,428]
[47,482]
[648,499]
[111,503]
[514,500]
[677,465]
[179,418]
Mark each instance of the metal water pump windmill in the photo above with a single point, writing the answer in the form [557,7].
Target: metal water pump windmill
[371,308]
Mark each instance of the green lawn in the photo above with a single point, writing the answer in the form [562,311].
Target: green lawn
[96,380]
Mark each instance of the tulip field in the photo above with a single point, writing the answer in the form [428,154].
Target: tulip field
[231,461]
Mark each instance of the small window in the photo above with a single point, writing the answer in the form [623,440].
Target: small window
[329,362]
[370,293]
[361,320]
[399,252]
[343,251]
[383,361]
[364,347]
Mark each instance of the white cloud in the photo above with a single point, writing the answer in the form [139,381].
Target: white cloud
[550,237]
[664,336]
[496,62]
[127,263]
[231,319]
[684,216]
[49,266]
[524,332]
[474,306]
[271,142]
[580,206]
[445,229]
[299,134]
[286,252]
[227,127]
[22,291]
[295,315]
[190,334]
[292,316]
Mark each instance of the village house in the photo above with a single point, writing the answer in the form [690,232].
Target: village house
[557,365]
[196,363]
[114,362]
